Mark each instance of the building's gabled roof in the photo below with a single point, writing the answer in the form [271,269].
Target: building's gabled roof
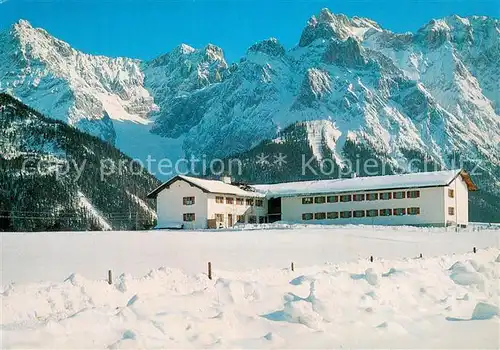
[373,183]
[210,186]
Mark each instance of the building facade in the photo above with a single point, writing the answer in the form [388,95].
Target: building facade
[424,199]
[194,203]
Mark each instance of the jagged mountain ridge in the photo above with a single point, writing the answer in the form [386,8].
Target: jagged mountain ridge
[432,93]
[50,177]
[196,98]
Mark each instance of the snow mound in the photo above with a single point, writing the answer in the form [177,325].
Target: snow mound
[484,311]
[370,276]
[466,273]
[323,306]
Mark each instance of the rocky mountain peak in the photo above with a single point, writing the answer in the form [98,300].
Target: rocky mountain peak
[327,25]
[271,47]
[214,53]
[435,33]
[347,53]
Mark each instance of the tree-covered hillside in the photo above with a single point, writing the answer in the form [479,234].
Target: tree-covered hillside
[50,177]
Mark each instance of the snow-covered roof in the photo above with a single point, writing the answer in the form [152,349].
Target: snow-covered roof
[212,186]
[414,180]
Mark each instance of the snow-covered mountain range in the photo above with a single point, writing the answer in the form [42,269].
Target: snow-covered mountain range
[434,92]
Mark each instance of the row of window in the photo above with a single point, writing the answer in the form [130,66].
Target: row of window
[239,201]
[361,197]
[229,200]
[361,213]
[252,219]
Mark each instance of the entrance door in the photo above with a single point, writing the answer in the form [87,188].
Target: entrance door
[274,209]
[229,220]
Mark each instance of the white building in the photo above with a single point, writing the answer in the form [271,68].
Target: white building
[191,202]
[432,199]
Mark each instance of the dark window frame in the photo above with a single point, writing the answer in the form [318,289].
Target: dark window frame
[320,200]
[189,200]
[332,215]
[347,197]
[320,216]
[334,199]
[402,212]
[395,194]
[345,217]
[385,212]
[358,214]
[307,216]
[307,200]
[358,197]
[413,211]
[413,194]
[189,217]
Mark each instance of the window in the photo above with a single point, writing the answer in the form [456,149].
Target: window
[372,196]
[385,212]
[359,197]
[451,193]
[386,195]
[307,200]
[319,200]
[320,216]
[219,217]
[219,199]
[399,195]
[345,198]
[451,211]
[240,218]
[332,199]
[359,213]
[399,211]
[229,200]
[188,217]
[252,219]
[345,214]
[307,216]
[249,201]
[372,213]
[413,211]
[413,194]
[239,201]
[258,203]
[332,215]
[188,200]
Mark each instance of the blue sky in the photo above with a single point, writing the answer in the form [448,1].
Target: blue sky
[146,29]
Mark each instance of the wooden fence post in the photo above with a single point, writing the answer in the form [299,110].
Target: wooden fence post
[110,277]
[371,258]
[209,270]
[474,250]
[292,266]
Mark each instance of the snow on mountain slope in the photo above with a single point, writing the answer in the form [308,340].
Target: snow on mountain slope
[100,95]
[434,92]
[436,106]
[51,177]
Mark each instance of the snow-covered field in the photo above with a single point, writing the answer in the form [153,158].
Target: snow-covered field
[55,295]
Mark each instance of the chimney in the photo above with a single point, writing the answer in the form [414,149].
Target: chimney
[226,179]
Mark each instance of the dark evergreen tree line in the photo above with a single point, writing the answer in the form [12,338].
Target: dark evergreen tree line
[34,200]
